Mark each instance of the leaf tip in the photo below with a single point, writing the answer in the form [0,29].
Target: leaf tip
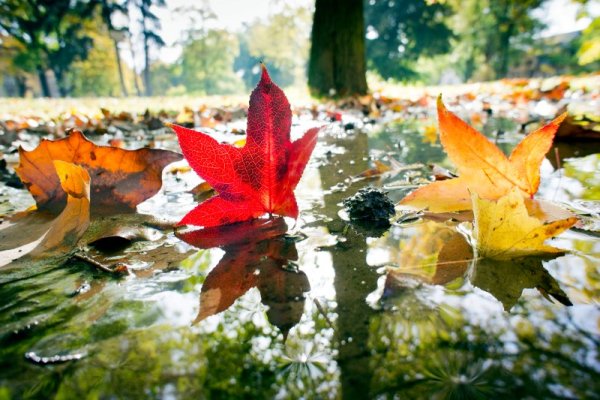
[441,107]
[558,120]
[264,77]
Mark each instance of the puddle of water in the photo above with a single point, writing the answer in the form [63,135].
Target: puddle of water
[323,312]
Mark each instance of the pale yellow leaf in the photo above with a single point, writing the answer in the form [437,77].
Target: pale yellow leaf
[503,229]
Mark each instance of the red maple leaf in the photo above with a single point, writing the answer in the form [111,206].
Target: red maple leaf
[260,177]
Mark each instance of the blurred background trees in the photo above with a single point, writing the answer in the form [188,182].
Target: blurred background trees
[400,32]
[51,36]
[116,47]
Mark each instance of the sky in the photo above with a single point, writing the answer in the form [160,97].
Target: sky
[560,16]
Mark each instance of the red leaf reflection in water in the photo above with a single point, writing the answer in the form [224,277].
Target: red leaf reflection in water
[256,255]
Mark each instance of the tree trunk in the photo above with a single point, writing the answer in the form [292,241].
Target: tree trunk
[337,65]
[120,68]
[43,82]
[21,83]
[59,83]
[136,84]
[504,51]
[147,83]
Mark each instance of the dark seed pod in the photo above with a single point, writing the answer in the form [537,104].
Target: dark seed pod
[370,205]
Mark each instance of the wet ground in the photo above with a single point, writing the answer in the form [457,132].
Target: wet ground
[318,307]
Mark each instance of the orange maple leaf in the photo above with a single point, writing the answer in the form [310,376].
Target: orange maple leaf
[483,168]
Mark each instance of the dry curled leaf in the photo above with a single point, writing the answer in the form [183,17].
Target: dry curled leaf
[120,179]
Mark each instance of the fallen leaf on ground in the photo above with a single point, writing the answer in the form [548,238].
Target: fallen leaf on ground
[588,212]
[580,127]
[202,192]
[379,169]
[440,173]
[120,179]
[481,165]
[258,178]
[430,134]
[43,234]
[503,229]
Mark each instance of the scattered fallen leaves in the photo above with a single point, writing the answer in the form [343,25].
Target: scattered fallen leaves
[482,167]
[120,179]
[379,169]
[258,178]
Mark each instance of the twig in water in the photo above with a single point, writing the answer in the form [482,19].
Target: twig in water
[559,169]
[118,269]
[323,313]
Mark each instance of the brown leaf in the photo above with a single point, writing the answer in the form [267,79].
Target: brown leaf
[120,179]
[581,127]
[379,169]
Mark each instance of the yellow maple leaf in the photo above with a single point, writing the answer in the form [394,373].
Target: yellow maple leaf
[482,167]
[503,229]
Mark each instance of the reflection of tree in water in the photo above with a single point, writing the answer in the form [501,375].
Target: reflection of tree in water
[161,362]
[447,343]
[406,137]
[354,279]
[585,170]
[444,352]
